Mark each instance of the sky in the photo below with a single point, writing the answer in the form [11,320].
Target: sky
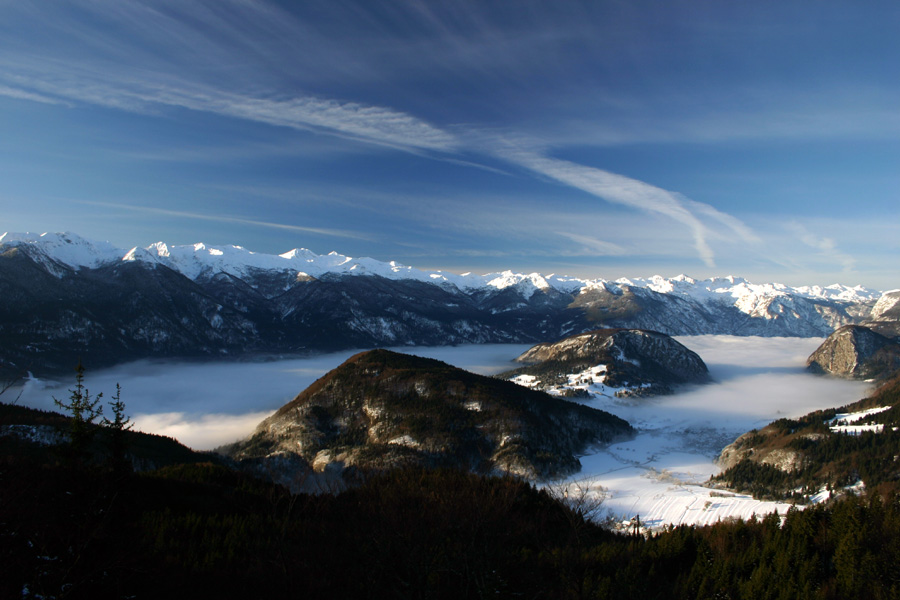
[598,139]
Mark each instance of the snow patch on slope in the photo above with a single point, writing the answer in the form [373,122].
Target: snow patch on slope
[844,422]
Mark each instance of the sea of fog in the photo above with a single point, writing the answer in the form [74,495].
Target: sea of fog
[656,475]
[206,404]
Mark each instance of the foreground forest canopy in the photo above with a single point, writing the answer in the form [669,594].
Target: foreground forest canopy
[204,530]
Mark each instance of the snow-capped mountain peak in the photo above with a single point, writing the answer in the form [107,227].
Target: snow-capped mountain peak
[160,249]
[202,260]
[299,254]
[67,248]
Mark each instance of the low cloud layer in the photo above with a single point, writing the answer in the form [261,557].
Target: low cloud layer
[207,405]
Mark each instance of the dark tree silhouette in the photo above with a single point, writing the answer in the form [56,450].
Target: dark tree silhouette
[83,410]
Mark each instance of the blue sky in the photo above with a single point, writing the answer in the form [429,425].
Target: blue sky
[600,139]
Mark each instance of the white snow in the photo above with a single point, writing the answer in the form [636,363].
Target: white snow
[45,435]
[528,381]
[857,429]
[68,248]
[843,422]
[887,301]
[658,474]
[404,440]
[199,260]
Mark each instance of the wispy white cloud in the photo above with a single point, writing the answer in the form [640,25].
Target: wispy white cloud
[533,225]
[146,66]
[632,193]
[709,118]
[385,126]
[19,94]
[342,233]
[731,223]
[591,246]
[825,246]
[368,123]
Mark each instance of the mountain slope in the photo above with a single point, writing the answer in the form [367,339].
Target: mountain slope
[381,409]
[31,434]
[856,352]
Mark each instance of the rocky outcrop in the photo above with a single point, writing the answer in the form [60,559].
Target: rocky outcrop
[887,308]
[885,316]
[753,446]
[382,409]
[631,361]
[856,352]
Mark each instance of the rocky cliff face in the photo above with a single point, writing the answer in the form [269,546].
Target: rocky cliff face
[382,409]
[856,352]
[885,315]
[629,361]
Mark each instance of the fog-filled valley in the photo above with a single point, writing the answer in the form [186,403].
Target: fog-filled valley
[655,475]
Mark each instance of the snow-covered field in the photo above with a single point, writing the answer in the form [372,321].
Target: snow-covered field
[656,475]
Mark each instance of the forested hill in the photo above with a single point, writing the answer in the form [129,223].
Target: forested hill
[29,432]
[834,448]
[383,409]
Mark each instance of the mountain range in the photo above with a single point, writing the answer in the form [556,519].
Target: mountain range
[63,297]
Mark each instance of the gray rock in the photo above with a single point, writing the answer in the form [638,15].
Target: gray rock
[856,352]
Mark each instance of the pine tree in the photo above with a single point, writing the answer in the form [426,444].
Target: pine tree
[116,429]
[83,409]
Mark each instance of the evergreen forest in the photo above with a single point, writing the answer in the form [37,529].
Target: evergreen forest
[206,530]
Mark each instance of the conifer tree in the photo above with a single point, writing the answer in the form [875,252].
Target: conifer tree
[116,429]
[83,409]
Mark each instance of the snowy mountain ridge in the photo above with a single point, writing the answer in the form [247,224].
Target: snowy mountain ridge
[198,261]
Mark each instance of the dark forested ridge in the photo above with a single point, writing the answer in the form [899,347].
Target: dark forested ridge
[78,529]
